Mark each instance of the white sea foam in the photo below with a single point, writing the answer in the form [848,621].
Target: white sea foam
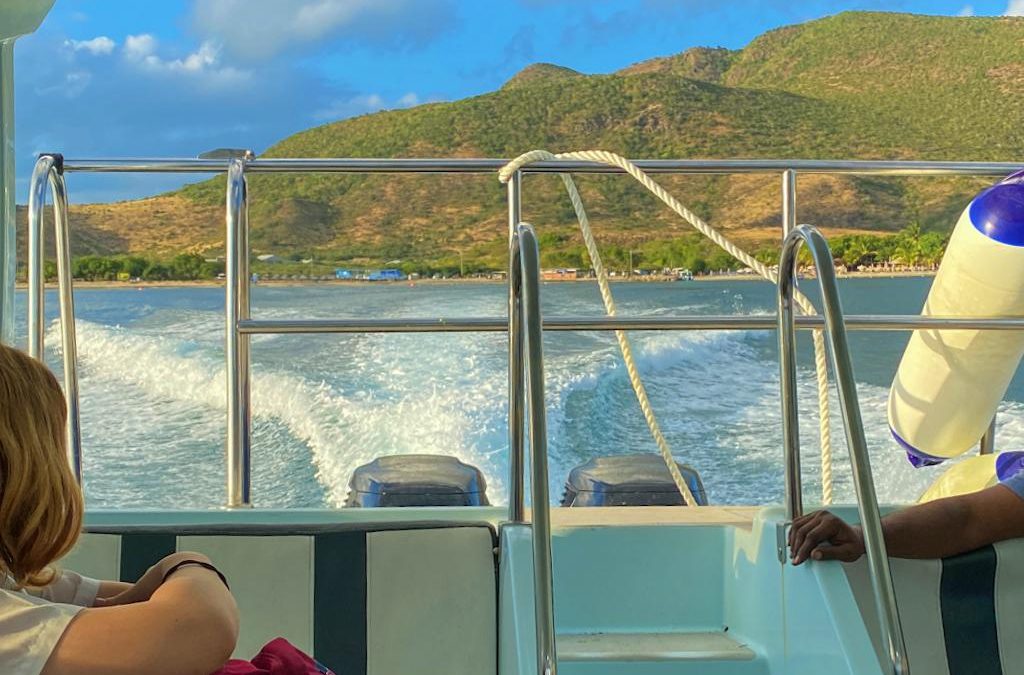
[340,431]
[335,403]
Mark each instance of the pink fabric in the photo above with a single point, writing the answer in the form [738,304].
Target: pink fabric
[278,657]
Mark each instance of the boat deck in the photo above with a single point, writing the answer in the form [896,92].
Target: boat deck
[737,516]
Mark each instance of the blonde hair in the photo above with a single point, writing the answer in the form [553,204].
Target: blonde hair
[41,504]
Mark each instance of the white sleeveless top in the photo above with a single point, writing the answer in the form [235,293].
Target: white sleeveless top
[31,622]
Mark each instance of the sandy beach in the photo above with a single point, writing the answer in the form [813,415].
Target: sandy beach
[210,283]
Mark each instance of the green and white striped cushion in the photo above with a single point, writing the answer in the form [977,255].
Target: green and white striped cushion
[960,615]
[379,599]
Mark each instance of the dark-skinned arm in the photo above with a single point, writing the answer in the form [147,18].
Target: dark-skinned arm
[935,529]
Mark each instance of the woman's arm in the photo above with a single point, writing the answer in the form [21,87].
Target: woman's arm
[109,589]
[935,529]
[188,626]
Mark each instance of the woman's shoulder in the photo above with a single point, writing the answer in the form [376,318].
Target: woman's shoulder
[30,628]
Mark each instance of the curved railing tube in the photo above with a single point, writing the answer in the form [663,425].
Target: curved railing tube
[36,270]
[516,392]
[236,344]
[48,170]
[842,367]
[525,319]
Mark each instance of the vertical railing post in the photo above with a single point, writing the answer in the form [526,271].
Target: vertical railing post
[788,202]
[842,366]
[69,339]
[516,388]
[988,441]
[790,412]
[526,270]
[236,345]
[36,270]
[790,423]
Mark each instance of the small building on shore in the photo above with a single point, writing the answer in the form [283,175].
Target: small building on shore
[386,275]
[561,274]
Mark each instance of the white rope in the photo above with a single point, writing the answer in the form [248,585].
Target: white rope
[693,219]
[824,419]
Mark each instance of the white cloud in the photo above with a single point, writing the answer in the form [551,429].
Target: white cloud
[258,29]
[138,47]
[966,10]
[409,100]
[141,50]
[356,105]
[98,45]
[1015,8]
[70,86]
[366,103]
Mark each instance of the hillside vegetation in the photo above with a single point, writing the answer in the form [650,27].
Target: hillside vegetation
[855,85]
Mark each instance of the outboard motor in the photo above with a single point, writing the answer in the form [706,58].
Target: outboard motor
[629,480]
[416,480]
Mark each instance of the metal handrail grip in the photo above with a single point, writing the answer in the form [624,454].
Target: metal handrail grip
[236,346]
[36,272]
[516,402]
[525,319]
[842,367]
[47,170]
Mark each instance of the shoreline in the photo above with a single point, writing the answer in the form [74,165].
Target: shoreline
[210,283]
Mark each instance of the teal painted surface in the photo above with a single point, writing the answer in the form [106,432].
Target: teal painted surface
[677,668]
[752,590]
[642,579]
[850,626]
[799,621]
[517,642]
[822,624]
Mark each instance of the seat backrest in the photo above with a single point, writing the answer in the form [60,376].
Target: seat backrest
[372,598]
[959,615]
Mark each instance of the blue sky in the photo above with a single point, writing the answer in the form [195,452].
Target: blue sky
[134,78]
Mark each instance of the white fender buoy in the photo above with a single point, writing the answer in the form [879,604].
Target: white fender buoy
[950,382]
[973,474]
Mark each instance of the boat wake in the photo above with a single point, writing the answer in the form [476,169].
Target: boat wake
[154,405]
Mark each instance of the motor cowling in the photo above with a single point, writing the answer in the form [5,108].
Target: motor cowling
[416,480]
[629,480]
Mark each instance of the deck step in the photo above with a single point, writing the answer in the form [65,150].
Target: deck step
[633,647]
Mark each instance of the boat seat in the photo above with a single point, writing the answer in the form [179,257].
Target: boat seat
[375,598]
[960,615]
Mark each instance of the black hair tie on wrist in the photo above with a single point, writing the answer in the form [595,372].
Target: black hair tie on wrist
[197,563]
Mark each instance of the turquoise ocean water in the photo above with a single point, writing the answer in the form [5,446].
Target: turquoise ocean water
[152,382]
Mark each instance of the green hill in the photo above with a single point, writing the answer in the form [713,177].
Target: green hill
[855,85]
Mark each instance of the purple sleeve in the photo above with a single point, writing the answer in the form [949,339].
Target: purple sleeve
[1016,483]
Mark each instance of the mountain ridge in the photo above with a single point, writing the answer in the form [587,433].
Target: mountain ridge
[855,85]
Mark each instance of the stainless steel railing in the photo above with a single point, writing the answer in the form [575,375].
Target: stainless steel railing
[48,170]
[238,364]
[526,385]
[442,165]
[842,367]
[523,323]
[239,324]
